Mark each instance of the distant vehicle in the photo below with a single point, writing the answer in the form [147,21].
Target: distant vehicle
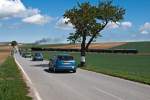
[62,63]
[21,51]
[37,56]
[26,54]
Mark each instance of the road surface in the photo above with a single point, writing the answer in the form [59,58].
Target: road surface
[83,85]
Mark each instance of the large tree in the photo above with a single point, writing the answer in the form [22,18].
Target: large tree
[14,43]
[89,20]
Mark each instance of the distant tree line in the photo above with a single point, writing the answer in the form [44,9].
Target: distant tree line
[125,51]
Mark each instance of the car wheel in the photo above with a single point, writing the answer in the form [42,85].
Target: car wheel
[54,70]
[50,69]
[74,71]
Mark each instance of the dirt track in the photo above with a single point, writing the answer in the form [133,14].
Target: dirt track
[4,52]
[93,46]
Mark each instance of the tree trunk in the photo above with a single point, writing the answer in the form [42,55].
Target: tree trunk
[83,52]
[90,41]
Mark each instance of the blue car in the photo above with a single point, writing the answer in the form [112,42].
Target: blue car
[62,63]
[38,56]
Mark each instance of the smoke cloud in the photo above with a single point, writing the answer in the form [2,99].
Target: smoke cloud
[50,40]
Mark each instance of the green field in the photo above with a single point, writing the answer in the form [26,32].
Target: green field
[12,86]
[142,47]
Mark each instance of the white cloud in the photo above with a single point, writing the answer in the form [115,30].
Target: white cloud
[145,29]
[112,25]
[126,25]
[37,19]
[61,24]
[144,32]
[28,12]
[8,8]
[15,8]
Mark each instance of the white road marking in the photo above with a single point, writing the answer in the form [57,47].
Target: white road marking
[107,93]
[29,80]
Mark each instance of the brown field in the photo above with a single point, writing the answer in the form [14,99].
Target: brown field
[4,52]
[92,46]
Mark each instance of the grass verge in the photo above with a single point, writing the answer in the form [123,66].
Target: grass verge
[12,85]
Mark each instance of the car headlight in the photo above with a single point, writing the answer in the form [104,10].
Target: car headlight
[72,66]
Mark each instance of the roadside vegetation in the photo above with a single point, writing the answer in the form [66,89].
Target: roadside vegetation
[12,85]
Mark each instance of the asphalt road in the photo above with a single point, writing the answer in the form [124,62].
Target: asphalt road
[83,85]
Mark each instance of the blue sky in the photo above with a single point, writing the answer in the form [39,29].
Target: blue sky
[32,20]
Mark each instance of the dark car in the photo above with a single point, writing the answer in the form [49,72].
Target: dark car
[62,63]
[37,56]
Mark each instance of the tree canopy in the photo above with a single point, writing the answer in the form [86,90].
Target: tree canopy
[89,20]
[14,43]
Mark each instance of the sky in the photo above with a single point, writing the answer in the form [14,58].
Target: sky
[42,21]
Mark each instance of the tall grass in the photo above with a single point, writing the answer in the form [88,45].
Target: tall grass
[12,85]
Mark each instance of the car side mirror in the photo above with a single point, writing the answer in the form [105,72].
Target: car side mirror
[51,59]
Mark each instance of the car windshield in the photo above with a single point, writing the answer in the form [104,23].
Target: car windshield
[28,53]
[38,54]
[66,58]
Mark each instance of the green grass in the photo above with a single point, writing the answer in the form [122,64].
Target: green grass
[132,67]
[12,86]
[142,47]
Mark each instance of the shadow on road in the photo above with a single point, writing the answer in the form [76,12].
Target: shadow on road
[48,71]
[40,65]
[58,72]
